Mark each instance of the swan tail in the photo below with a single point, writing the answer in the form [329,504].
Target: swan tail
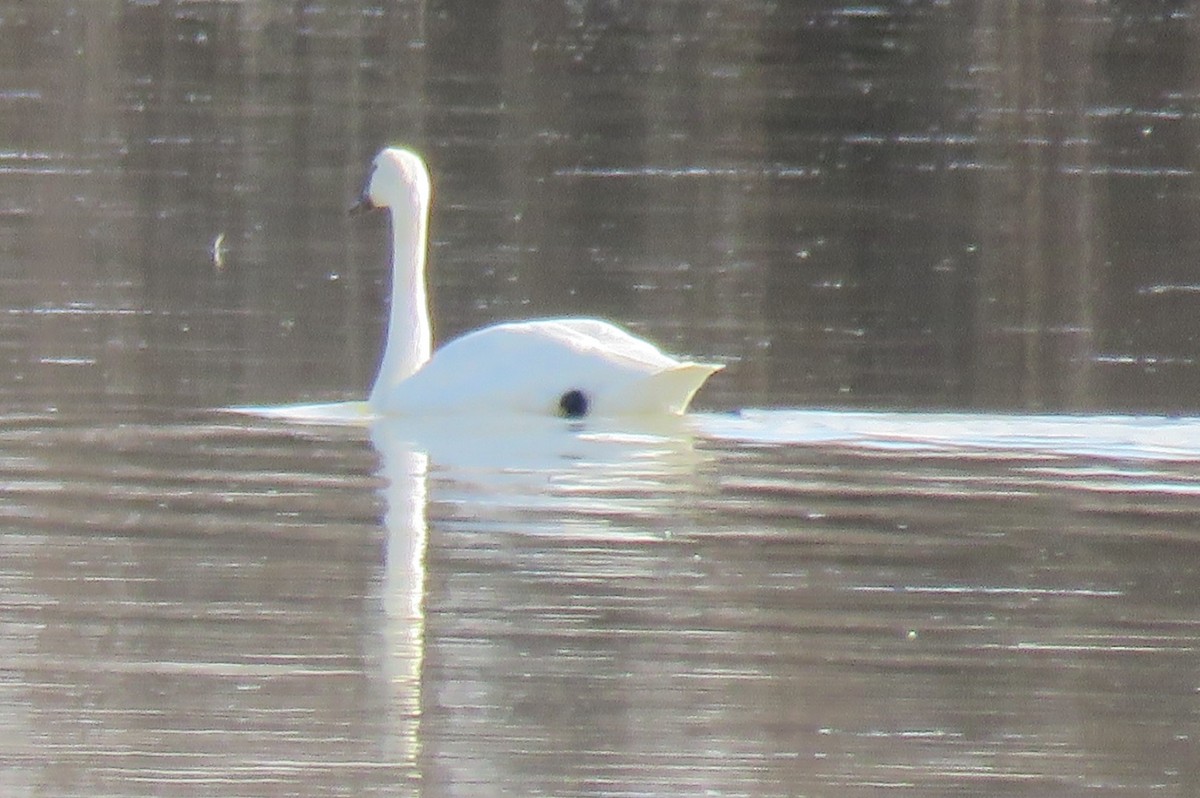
[670,390]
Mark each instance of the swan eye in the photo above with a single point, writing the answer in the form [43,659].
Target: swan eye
[573,404]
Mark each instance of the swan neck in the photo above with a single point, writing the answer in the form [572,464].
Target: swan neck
[408,333]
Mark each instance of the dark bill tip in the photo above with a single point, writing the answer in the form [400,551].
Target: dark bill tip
[363,205]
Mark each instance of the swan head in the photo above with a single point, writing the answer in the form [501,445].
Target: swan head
[398,178]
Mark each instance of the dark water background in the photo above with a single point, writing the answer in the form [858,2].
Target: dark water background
[919,206]
[947,205]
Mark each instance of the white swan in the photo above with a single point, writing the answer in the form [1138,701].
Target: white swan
[565,367]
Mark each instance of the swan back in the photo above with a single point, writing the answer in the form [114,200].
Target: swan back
[569,367]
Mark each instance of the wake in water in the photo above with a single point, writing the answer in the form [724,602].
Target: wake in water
[1162,438]
[964,434]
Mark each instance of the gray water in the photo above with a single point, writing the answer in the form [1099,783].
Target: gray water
[965,231]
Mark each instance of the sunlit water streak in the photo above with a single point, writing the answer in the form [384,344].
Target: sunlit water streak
[964,434]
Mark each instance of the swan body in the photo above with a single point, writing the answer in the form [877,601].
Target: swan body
[568,367]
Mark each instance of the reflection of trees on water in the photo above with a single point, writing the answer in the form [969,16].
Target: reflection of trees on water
[1040,247]
[957,206]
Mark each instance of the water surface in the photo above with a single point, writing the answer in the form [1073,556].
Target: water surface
[773,603]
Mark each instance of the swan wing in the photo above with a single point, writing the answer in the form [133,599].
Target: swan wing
[601,336]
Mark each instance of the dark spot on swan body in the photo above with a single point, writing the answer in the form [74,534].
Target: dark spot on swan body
[573,404]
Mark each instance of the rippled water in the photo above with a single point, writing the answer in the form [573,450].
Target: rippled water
[764,603]
[951,208]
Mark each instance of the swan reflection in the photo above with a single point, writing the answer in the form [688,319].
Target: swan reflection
[519,476]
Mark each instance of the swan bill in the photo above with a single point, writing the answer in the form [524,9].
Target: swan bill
[364,204]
